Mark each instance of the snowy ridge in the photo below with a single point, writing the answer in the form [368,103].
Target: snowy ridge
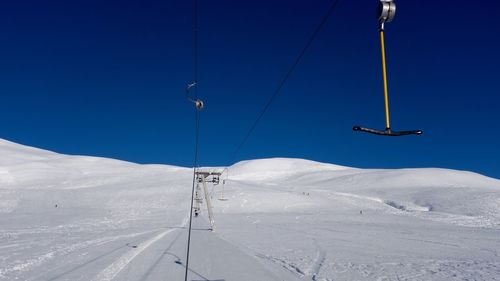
[31,168]
[14,153]
[272,168]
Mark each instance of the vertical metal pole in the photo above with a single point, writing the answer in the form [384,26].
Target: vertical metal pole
[197,198]
[209,205]
[384,74]
[222,193]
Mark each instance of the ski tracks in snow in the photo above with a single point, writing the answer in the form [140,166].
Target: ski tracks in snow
[31,263]
[113,269]
[110,272]
[311,273]
[318,262]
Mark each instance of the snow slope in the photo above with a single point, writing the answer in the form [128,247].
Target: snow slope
[339,223]
[86,218]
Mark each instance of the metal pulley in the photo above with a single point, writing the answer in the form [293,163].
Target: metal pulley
[386,11]
[199,104]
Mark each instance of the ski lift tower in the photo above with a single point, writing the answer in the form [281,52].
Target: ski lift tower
[202,177]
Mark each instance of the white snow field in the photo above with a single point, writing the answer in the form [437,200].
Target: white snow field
[86,218]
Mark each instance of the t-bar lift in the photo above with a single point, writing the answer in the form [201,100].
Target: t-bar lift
[385,13]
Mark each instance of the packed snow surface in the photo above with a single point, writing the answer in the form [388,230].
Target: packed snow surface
[85,218]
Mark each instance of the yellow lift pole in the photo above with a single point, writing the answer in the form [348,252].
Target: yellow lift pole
[384,74]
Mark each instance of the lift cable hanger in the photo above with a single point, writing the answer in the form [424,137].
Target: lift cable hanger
[385,13]
[197,102]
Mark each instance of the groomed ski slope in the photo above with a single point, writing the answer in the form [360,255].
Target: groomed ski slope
[86,218]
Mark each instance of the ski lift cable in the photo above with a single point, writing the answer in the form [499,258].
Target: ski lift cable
[195,166]
[193,86]
[282,83]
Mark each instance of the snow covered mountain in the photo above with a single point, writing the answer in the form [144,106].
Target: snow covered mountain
[86,218]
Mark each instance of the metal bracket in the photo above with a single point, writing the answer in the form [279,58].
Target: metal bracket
[385,12]
[197,102]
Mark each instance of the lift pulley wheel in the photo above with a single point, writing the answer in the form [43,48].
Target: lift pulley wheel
[386,11]
[199,104]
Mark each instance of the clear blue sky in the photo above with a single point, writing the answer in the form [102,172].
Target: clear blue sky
[106,78]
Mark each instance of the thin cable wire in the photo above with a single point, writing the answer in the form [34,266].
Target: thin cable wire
[195,166]
[285,79]
[195,48]
[197,130]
